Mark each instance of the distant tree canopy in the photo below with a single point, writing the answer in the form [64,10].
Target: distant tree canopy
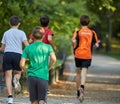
[64,16]
[108,13]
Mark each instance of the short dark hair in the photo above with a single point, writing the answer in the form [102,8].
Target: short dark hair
[14,20]
[38,32]
[84,20]
[44,20]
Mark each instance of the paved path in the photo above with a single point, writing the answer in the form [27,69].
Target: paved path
[102,87]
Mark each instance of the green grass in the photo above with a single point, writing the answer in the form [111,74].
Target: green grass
[115,49]
[114,52]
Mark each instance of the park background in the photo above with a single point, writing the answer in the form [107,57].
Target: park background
[64,20]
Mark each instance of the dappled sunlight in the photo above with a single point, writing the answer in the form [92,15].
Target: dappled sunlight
[105,60]
[112,89]
[66,82]
[99,85]
[110,62]
[105,91]
[62,96]
[103,87]
[115,63]
[103,76]
[103,82]
[62,82]
[69,74]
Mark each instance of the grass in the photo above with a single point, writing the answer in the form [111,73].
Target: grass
[114,52]
[115,49]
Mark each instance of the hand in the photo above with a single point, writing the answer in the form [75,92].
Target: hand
[96,45]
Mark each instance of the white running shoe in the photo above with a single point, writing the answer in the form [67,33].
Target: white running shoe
[10,100]
[42,102]
[17,85]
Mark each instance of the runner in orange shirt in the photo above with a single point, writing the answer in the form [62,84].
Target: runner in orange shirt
[83,40]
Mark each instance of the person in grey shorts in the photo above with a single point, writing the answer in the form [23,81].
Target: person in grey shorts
[12,47]
[38,70]
[41,88]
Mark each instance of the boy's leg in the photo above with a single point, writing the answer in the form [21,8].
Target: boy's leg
[7,68]
[78,80]
[33,96]
[42,90]
[17,71]
[83,80]
[78,77]
[35,102]
[17,75]
[8,81]
[83,75]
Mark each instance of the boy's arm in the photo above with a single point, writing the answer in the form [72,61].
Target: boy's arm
[74,42]
[24,57]
[25,42]
[2,47]
[22,63]
[52,60]
[95,40]
[51,42]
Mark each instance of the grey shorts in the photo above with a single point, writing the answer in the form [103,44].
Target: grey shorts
[37,88]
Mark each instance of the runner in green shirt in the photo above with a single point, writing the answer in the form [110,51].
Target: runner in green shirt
[38,70]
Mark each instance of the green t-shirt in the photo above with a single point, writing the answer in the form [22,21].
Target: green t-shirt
[38,55]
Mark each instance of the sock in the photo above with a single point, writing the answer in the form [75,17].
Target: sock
[82,86]
[10,96]
[78,93]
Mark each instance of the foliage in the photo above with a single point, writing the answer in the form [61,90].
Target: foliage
[108,13]
[115,52]
[64,16]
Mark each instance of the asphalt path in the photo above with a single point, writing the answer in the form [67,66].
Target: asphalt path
[102,86]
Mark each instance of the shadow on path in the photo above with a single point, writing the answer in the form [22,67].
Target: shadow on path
[102,86]
[103,82]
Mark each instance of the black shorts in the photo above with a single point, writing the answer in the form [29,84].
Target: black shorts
[37,88]
[83,63]
[11,61]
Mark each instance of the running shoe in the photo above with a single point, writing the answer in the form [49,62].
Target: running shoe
[10,100]
[48,91]
[42,102]
[81,97]
[17,85]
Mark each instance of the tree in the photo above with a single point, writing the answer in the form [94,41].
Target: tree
[64,17]
[107,9]
[108,12]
